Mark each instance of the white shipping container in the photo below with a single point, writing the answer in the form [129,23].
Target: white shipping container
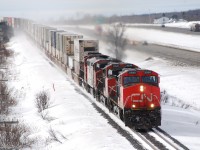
[77,67]
[71,62]
[84,46]
[57,44]
[47,38]
[61,53]
[51,36]
[68,43]
[65,59]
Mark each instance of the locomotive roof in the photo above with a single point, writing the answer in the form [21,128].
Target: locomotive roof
[131,70]
[118,62]
[97,58]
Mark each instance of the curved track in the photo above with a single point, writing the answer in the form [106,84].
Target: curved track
[169,139]
[158,139]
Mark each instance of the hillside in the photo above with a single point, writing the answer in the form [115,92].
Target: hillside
[191,15]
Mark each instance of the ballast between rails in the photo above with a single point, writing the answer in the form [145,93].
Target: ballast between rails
[132,93]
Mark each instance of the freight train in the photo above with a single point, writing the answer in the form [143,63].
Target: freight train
[131,93]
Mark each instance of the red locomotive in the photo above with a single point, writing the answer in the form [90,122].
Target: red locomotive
[139,98]
[131,93]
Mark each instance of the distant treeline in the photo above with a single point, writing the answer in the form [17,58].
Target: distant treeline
[191,15]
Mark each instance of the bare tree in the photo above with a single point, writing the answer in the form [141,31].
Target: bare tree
[15,136]
[55,136]
[117,39]
[42,103]
[6,100]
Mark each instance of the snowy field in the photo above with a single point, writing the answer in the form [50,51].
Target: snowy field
[86,128]
[178,40]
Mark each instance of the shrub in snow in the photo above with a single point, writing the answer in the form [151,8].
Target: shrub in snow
[173,101]
[15,136]
[6,100]
[55,136]
[164,96]
[42,101]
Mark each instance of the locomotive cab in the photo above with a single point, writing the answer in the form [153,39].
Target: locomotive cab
[90,55]
[110,75]
[94,73]
[139,98]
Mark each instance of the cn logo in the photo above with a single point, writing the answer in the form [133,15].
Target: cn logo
[143,96]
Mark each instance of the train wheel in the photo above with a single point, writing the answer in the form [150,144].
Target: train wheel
[80,82]
[97,96]
[94,93]
[121,114]
[109,105]
[105,102]
[87,88]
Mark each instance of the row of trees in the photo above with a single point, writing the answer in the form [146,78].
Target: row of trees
[191,15]
[13,134]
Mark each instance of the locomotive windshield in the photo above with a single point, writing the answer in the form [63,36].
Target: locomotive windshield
[131,79]
[150,79]
[153,80]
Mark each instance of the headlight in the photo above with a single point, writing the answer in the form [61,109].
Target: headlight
[133,106]
[152,105]
[141,88]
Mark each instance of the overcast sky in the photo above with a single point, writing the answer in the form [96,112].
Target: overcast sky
[76,8]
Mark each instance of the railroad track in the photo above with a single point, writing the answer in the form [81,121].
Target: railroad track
[158,139]
[169,139]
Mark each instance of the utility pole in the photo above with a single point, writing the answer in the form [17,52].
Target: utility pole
[149,17]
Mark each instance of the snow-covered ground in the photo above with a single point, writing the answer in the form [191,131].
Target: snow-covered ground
[178,40]
[74,116]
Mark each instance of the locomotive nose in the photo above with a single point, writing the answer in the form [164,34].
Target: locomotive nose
[150,96]
[146,98]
